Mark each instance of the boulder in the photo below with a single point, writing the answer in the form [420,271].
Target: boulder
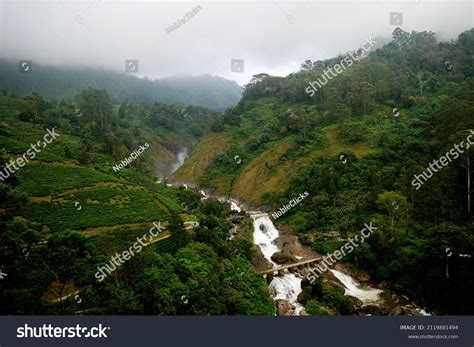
[283,258]
[397,311]
[284,308]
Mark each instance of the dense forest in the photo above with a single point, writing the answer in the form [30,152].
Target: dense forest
[355,146]
[66,213]
[51,82]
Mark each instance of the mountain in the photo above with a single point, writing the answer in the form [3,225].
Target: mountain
[356,140]
[213,92]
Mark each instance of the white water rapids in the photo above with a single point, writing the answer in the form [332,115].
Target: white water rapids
[265,235]
[366,294]
[287,287]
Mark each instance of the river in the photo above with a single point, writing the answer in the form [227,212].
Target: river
[287,285]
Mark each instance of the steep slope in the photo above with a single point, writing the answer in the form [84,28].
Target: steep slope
[357,145]
[73,226]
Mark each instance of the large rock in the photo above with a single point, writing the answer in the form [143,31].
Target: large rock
[259,262]
[283,258]
[284,308]
[397,311]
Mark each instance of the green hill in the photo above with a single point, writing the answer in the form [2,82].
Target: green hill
[66,213]
[355,145]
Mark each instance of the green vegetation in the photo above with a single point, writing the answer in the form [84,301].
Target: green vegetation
[320,296]
[357,158]
[51,82]
[345,146]
[66,213]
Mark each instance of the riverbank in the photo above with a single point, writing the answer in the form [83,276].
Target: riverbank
[281,247]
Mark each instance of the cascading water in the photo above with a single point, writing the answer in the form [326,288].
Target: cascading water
[265,235]
[365,294]
[288,286]
[180,158]
[373,296]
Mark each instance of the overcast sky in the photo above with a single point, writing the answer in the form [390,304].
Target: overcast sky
[270,36]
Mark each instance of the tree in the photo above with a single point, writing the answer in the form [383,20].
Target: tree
[394,203]
[95,106]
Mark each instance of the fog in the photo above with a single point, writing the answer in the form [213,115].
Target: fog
[272,37]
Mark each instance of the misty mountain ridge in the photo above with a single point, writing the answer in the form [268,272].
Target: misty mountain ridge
[214,92]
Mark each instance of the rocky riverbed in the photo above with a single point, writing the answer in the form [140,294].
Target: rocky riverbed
[279,247]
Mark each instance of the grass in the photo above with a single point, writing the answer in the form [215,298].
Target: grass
[268,168]
[100,206]
[41,179]
[265,173]
[204,154]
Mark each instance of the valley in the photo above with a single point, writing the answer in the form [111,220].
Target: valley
[218,167]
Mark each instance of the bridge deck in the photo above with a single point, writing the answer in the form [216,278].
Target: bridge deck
[288,266]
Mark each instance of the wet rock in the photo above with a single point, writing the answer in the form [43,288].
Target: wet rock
[356,303]
[305,295]
[410,310]
[373,310]
[397,311]
[283,258]
[284,308]
[259,262]
[331,311]
[351,270]
[305,283]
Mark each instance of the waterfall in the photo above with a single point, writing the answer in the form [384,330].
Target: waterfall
[366,294]
[180,158]
[265,235]
[288,286]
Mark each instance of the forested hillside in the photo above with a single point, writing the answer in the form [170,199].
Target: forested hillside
[65,213]
[50,82]
[355,146]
